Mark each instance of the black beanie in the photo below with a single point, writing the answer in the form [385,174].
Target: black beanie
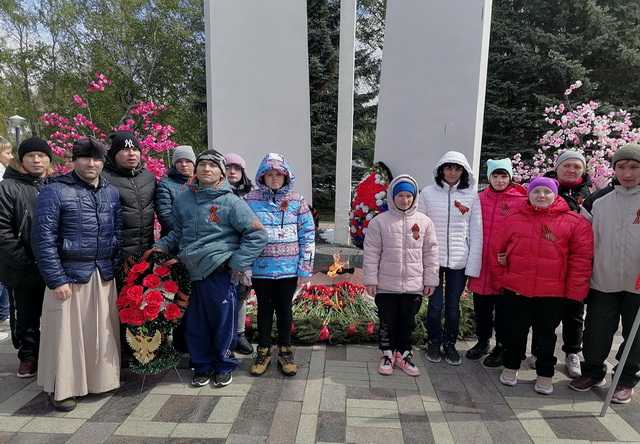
[89,147]
[121,140]
[215,157]
[34,144]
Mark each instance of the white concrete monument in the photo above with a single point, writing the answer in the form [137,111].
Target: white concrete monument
[434,68]
[258,82]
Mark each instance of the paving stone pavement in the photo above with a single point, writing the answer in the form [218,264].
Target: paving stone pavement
[337,397]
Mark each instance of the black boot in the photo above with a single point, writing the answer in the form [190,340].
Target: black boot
[243,346]
[477,351]
[495,357]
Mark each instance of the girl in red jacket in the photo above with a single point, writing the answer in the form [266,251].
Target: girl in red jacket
[498,200]
[546,251]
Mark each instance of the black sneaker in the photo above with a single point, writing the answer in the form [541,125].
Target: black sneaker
[243,346]
[452,356]
[222,379]
[477,351]
[65,405]
[495,357]
[433,353]
[200,379]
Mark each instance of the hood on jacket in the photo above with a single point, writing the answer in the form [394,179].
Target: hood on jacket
[12,173]
[178,177]
[72,178]
[275,161]
[211,192]
[111,165]
[559,205]
[392,205]
[459,159]
[585,183]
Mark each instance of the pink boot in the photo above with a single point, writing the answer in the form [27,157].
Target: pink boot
[386,363]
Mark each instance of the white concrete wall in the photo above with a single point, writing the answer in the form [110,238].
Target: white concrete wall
[433,83]
[258,82]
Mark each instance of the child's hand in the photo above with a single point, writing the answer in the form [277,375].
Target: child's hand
[427,291]
[502,258]
[302,281]
[372,290]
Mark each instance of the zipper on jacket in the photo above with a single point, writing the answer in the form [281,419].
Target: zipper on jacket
[448,223]
[23,223]
[404,251]
[140,229]
[97,203]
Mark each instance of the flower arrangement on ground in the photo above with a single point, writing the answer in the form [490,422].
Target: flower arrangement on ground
[151,304]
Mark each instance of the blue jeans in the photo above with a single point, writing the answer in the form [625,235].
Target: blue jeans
[210,324]
[4,302]
[453,282]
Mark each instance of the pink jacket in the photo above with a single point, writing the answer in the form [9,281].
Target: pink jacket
[496,206]
[400,249]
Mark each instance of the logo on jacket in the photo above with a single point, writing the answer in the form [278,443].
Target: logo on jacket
[548,234]
[415,230]
[463,210]
[637,220]
[213,214]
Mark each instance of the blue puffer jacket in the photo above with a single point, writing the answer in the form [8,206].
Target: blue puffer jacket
[76,229]
[213,226]
[288,221]
[166,192]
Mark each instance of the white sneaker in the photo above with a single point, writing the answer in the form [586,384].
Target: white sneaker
[544,385]
[509,377]
[572,363]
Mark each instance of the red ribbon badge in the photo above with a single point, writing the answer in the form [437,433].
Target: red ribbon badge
[415,230]
[213,214]
[463,210]
[548,234]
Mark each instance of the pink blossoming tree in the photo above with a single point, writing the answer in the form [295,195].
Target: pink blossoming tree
[141,119]
[583,128]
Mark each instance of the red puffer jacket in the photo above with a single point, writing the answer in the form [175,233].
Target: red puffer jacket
[496,206]
[549,252]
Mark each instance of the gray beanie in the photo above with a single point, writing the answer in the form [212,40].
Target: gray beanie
[183,152]
[630,151]
[571,154]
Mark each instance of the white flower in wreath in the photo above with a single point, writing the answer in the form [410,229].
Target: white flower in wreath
[365,208]
[379,202]
[381,195]
[369,216]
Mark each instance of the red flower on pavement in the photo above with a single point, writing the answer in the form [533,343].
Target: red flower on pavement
[325,334]
[351,330]
[151,311]
[371,328]
[154,298]
[151,281]
[161,271]
[172,312]
[170,286]
[140,267]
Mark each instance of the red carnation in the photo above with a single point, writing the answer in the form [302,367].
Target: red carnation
[140,267]
[324,333]
[132,316]
[151,281]
[170,286]
[293,329]
[132,278]
[351,329]
[151,311]
[161,271]
[248,322]
[154,297]
[172,312]
[371,328]
[134,295]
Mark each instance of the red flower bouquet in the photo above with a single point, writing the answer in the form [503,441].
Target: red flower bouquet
[151,304]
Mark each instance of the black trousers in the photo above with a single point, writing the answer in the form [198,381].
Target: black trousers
[543,314]
[274,295]
[604,311]
[397,314]
[25,304]
[489,315]
[572,327]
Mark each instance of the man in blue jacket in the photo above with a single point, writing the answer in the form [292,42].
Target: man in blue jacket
[76,242]
[217,237]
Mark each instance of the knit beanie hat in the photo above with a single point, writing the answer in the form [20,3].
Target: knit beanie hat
[183,152]
[499,164]
[89,147]
[235,159]
[121,140]
[215,157]
[404,186]
[542,181]
[34,144]
[630,151]
[568,155]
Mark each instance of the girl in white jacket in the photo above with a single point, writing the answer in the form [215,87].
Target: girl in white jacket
[453,205]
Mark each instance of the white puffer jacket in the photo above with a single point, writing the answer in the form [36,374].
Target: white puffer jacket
[458,219]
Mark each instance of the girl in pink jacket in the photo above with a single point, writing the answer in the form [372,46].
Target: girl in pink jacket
[400,266]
